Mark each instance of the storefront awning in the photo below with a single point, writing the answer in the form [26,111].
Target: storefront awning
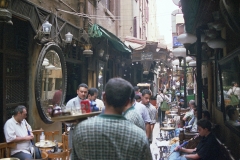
[114,40]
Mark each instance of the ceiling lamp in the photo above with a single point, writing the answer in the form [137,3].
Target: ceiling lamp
[192,64]
[188,59]
[187,39]
[87,52]
[45,62]
[179,52]
[50,67]
[216,43]
[145,72]
[175,62]
[5,15]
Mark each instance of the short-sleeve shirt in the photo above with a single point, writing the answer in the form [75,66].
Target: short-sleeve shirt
[142,110]
[132,115]
[109,137]
[208,148]
[74,102]
[152,112]
[13,129]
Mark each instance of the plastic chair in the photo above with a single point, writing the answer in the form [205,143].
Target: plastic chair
[59,155]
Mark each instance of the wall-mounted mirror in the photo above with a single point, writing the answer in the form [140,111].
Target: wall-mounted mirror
[101,77]
[230,76]
[50,82]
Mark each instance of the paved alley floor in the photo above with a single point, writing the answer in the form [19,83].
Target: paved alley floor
[153,146]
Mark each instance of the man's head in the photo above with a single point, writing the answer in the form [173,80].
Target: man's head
[136,89]
[138,98]
[204,127]
[82,91]
[192,104]
[146,95]
[233,113]
[206,115]
[20,113]
[92,94]
[117,93]
[235,84]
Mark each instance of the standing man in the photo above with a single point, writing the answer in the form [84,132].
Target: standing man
[131,114]
[146,95]
[16,130]
[111,136]
[161,114]
[82,92]
[75,103]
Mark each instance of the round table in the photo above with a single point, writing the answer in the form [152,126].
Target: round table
[169,132]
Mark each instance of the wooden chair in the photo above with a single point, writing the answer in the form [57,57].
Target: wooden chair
[59,155]
[3,150]
[44,155]
[65,141]
[37,134]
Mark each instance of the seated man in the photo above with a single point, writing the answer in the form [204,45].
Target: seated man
[16,130]
[207,149]
[192,124]
[190,113]
[233,115]
[206,115]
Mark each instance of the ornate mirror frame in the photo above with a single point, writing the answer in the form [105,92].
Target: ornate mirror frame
[51,46]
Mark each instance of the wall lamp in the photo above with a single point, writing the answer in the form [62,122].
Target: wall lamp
[101,52]
[43,35]
[5,15]
[87,50]
[187,39]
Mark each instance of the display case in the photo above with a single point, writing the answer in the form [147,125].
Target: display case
[229,69]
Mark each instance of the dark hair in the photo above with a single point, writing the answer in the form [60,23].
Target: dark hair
[206,114]
[118,92]
[20,109]
[132,95]
[204,124]
[91,91]
[136,88]
[137,97]
[146,91]
[161,91]
[231,112]
[82,85]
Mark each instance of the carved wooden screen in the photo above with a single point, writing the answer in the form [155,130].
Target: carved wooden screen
[14,61]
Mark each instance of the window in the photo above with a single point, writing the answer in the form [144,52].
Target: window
[135,27]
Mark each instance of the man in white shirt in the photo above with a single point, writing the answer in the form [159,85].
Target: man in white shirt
[16,130]
[161,114]
[82,93]
[235,90]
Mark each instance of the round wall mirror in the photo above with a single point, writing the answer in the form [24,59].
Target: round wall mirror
[50,81]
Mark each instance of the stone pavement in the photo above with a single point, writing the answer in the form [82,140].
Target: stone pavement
[153,146]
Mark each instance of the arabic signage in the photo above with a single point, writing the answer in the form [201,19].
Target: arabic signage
[147,56]
[176,43]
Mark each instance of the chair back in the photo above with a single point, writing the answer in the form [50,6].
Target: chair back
[37,134]
[3,150]
[65,141]
[49,135]
[59,155]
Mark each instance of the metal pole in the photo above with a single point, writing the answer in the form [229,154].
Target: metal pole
[185,82]
[199,74]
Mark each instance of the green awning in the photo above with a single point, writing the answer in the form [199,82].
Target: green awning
[112,39]
[190,10]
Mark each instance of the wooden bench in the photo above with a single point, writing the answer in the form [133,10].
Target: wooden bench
[224,152]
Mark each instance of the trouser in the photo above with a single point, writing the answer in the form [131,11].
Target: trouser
[175,155]
[22,155]
[161,115]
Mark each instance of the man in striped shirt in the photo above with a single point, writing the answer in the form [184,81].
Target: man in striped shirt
[110,136]
[131,114]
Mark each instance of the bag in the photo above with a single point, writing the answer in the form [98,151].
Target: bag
[164,106]
[36,152]
[234,100]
